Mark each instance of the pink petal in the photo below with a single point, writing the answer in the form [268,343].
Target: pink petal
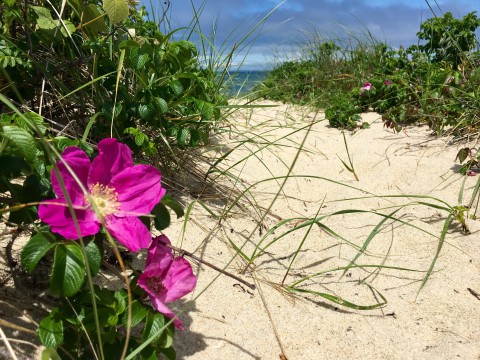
[163,309]
[79,162]
[113,157]
[61,221]
[156,300]
[180,280]
[139,188]
[157,252]
[129,231]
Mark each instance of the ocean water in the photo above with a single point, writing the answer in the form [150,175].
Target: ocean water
[244,81]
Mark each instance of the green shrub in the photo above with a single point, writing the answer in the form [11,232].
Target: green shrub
[435,82]
[343,113]
[161,99]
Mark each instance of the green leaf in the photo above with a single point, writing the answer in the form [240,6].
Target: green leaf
[167,200]
[94,257]
[149,353]
[11,166]
[139,57]
[139,312]
[188,46]
[50,354]
[45,20]
[50,330]
[121,301]
[162,217]
[68,271]
[35,249]
[139,139]
[203,137]
[31,121]
[21,140]
[183,136]
[205,108]
[153,326]
[96,23]
[117,10]
[169,353]
[62,142]
[146,110]
[167,337]
[463,154]
[160,104]
[176,87]
[194,137]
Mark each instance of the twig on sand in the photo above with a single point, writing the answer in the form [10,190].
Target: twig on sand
[196,258]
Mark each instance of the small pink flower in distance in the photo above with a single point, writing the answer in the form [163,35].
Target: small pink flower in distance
[165,278]
[471,173]
[387,82]
[366,87]
[120,191]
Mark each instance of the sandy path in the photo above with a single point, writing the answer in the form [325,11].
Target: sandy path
[228,321]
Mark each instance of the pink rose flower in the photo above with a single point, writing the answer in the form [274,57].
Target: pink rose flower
[165,278]
[366,87]
[387,82]
[120,190]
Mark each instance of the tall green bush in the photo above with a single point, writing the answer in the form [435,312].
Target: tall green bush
[435,82]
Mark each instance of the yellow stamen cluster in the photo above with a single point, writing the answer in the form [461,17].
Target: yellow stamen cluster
[105,199]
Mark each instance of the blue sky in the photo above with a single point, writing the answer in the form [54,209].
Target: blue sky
[282,34]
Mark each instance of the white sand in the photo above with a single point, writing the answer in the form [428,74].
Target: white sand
[229,321]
